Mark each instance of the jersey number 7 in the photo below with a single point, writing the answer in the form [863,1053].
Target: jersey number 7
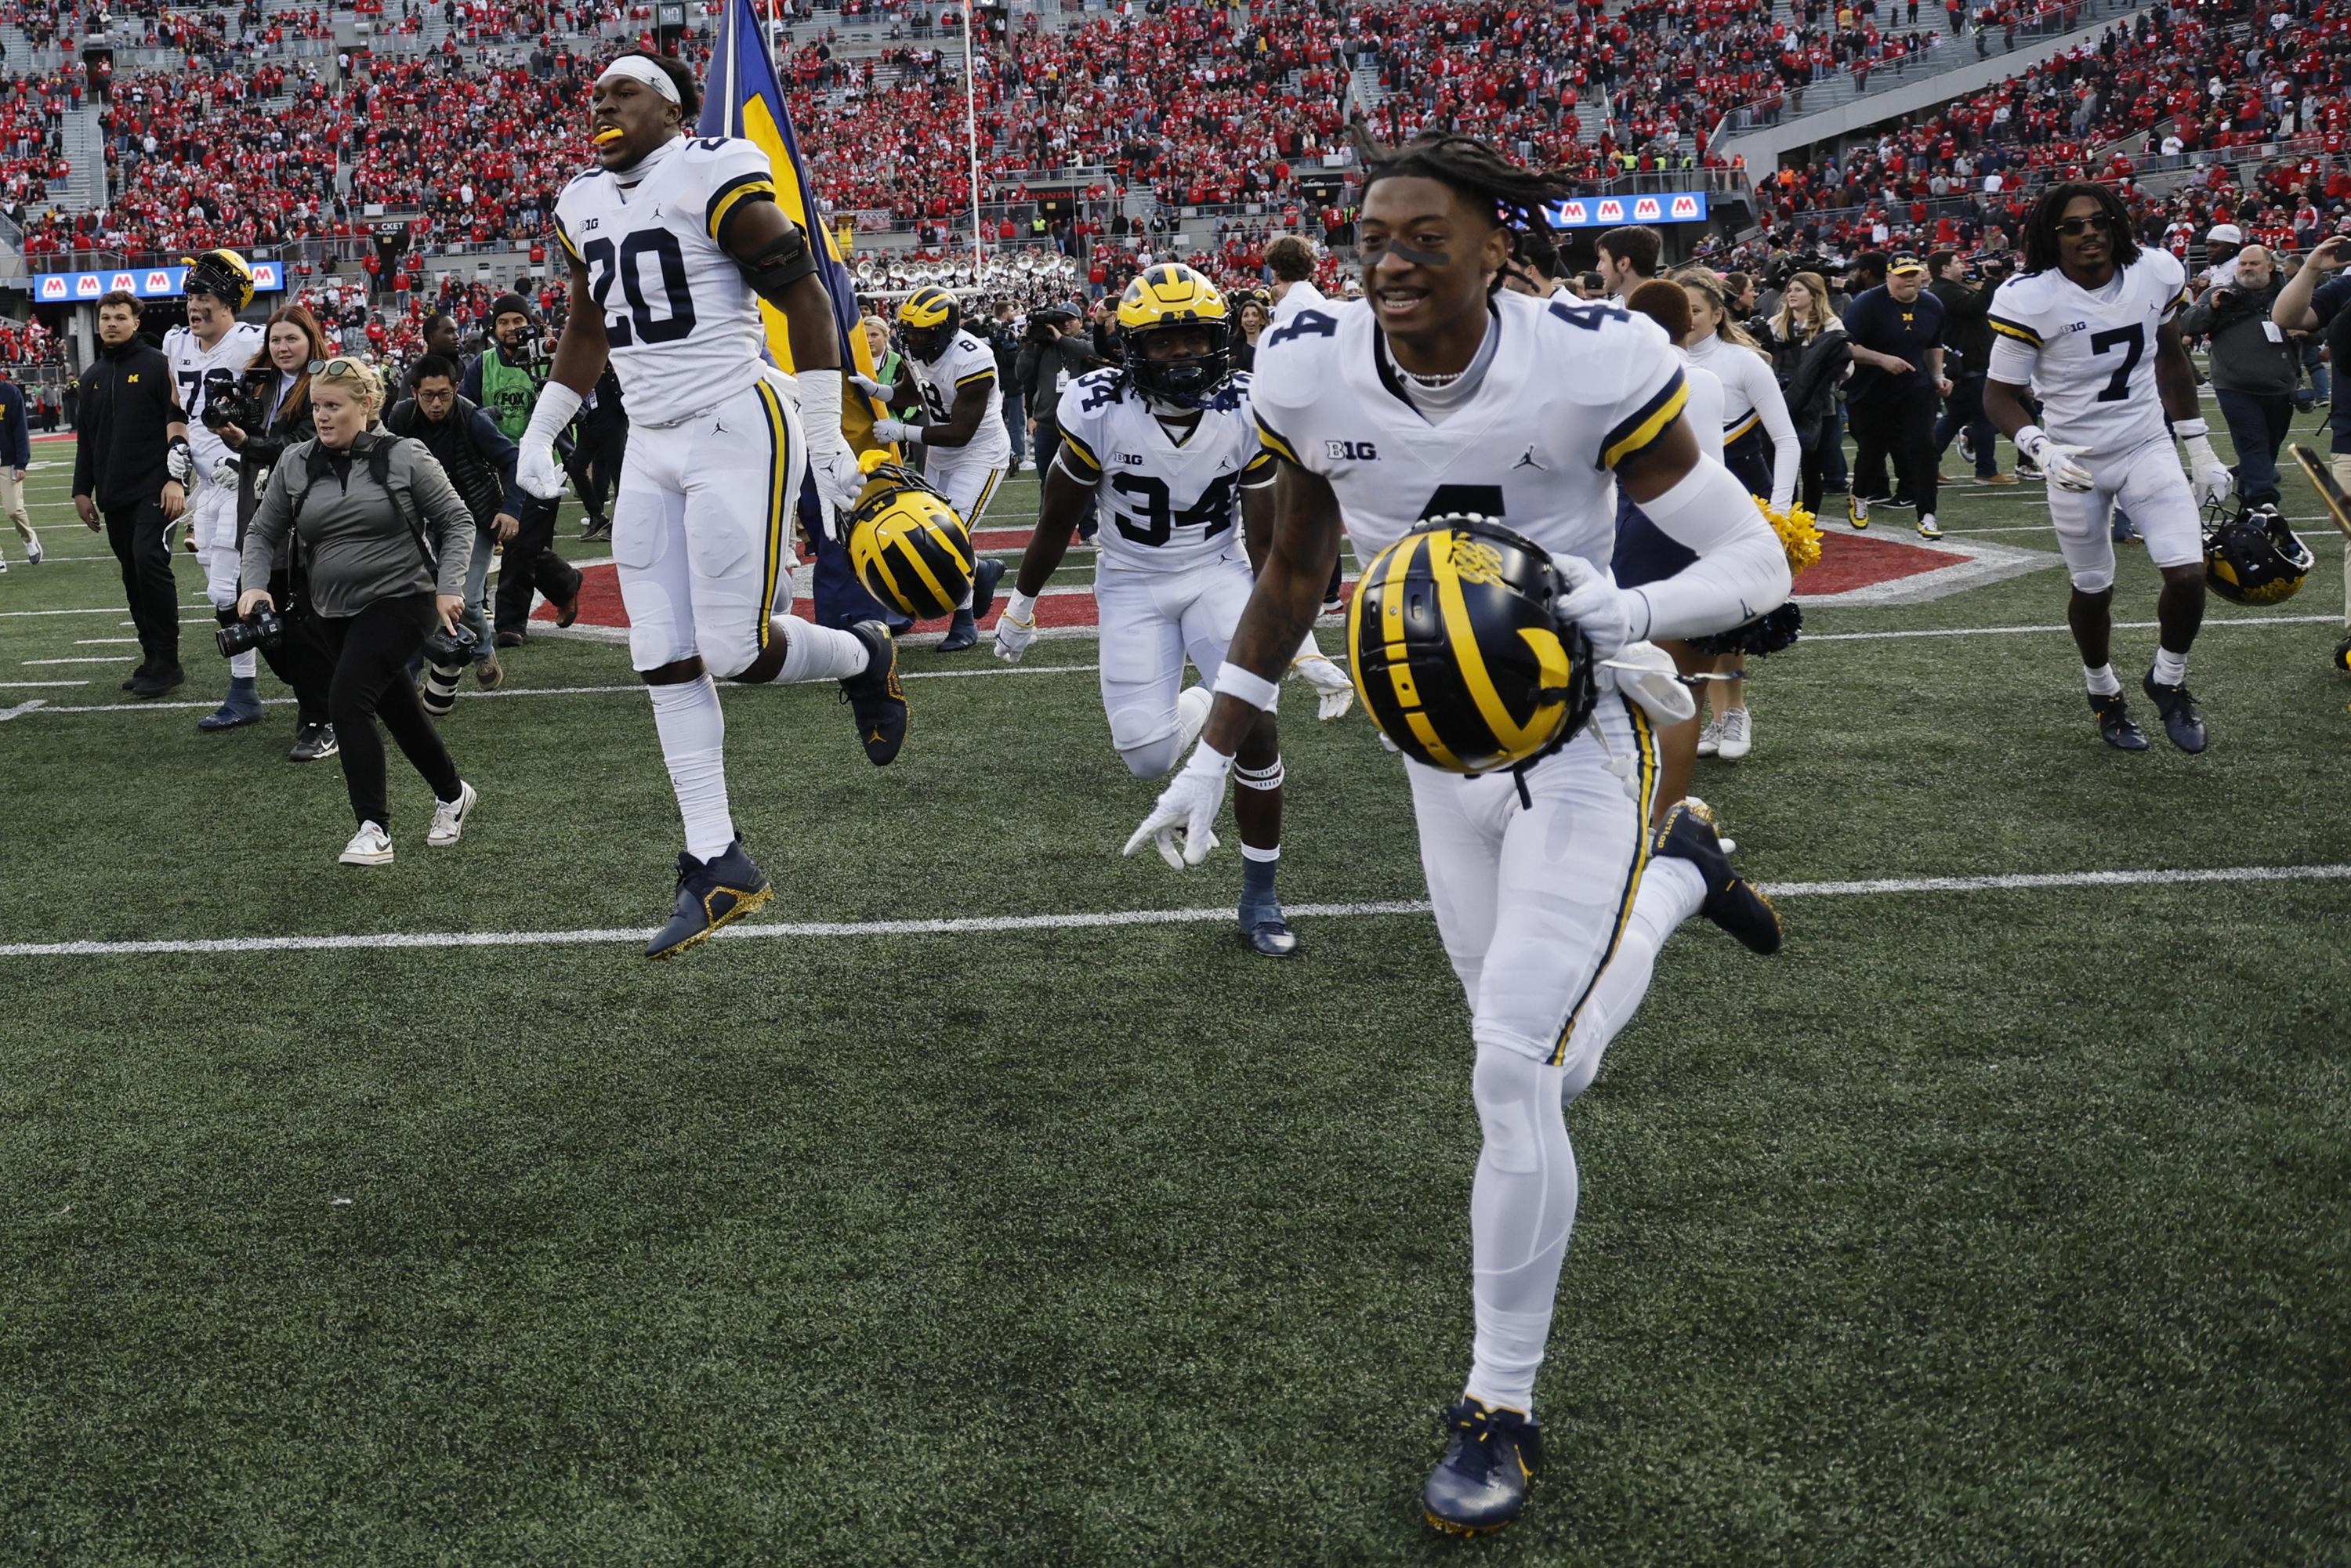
[2133,341]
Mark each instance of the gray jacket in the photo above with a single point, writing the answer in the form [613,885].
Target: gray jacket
[2243,358]
[359,544]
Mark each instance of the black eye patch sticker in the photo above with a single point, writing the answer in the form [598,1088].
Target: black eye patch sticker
[1416,256]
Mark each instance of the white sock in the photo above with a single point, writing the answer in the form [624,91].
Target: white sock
[2170,668]
[965,603]
[2101,681]
[243,666]
[694,744]
[1671,890]
[1522,1208]
[814,652]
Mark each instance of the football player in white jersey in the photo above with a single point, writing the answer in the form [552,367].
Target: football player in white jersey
[209,356]
[1165,446]
[2090,326]
[1438,394]
[673,243]
[967,450]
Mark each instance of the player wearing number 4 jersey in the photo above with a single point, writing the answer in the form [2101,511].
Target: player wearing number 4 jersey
[2090,326]
[673,243]
[1437,395]
[1165,446]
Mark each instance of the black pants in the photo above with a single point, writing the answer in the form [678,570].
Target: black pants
[301,658]
[1896,422]
[135,533]
[2258,423]
[1818,442]
[595,466]
[371,681]
[530,564]
[1965,412]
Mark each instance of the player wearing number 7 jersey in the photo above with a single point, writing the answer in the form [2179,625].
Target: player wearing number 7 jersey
[2090,325]
[673,243]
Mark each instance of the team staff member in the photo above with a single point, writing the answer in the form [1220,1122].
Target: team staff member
[1897,330]
[130,422]
[480,463]
[386,542]
[16,456]
[291,343]
[506,380]
[2255,368]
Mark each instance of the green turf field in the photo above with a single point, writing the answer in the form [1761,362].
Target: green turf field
[1980,1227]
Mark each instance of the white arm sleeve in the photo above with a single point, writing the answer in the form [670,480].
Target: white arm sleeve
[1740,572]
[1772,407]
[2011,362]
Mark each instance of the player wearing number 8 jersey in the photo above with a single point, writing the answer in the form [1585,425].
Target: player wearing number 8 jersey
[2090,326]
[1435,394]
[671,244]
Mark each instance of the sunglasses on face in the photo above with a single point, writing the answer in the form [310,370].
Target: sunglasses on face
[2073,228]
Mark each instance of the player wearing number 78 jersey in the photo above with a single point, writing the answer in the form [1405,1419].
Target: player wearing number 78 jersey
[2090,326]
[673,243]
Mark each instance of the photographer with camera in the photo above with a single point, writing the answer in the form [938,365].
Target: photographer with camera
[1055,351]
[2255,365]
[269,411]
[1966,295]
[131,433]
[480,463]
[385,541]
[506,382]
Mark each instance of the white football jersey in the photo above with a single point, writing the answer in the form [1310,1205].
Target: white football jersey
[1169,504]
[1571,391]
[2090,357]
[190,362]
[966,363]
[684,326]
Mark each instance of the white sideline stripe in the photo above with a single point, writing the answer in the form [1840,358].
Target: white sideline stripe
[24,686]
[106,642]
[21,710]
[989,923]
[2119,626]
[101,659]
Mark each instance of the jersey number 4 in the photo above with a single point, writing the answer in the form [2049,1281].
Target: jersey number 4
[1213,512]
[640,325]
[2132,341]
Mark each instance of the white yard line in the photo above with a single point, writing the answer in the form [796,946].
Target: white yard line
[101,659]
[1082,920]
[24,686]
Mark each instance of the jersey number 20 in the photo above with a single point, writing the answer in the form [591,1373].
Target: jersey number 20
[640,325]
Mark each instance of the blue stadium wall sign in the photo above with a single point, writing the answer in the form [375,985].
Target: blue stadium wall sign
[146,282]
[1606,212]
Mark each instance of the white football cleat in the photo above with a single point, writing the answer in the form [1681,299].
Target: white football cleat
[369,846]
[1709,739]
[1737,738]
[449,816]
[33,550]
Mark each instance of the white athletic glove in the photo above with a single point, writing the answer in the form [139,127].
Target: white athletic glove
[223,474]
[869,387]
[1334,692]
[538,470]
[180,462]
[1183,823]
[1610,616]
[2212,477]
[2055,460]
[1016,628]
[831,462]
[892,430]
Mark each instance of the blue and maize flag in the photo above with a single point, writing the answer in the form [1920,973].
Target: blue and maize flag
[742,98]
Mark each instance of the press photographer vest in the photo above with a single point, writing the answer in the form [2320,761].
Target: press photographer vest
[507,393]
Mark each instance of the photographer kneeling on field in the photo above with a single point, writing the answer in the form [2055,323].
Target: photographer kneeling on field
[360,504]
[267,414]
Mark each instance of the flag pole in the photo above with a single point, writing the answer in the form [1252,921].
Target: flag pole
[971,131]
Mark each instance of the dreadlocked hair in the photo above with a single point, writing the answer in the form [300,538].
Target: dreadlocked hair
[1514,193]
[2041,228]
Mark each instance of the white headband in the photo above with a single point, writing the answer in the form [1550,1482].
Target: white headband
[636,67]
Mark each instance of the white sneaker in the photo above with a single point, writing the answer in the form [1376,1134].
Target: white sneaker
[369,846]
[1737,736]
[1192,707]
[1710,739]
[1927,528]
[449,816]
[33,551]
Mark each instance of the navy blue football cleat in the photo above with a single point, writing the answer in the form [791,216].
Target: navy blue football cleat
[2116,726]
[1731,901]
[2181,722]
[963,632]
[709,894]
[1481,1483]
[876,697]
[1268,932]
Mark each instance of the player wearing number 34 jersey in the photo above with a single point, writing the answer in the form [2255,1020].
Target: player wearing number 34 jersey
[673,243]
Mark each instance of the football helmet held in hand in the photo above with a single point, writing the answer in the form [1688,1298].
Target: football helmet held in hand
[1457,650]
[2251,557]
[907,545]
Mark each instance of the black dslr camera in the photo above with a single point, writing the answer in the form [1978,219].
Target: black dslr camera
[450,648]
[262,629]
[231,399]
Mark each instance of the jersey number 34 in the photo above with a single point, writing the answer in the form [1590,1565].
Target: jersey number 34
[638,324]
